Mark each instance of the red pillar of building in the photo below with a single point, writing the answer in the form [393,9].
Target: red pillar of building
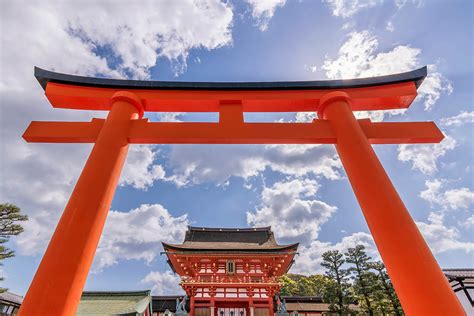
[191,306]
[419,282]
[58,283]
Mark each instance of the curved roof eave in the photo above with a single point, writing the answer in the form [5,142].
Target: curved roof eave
[253,250]
[44,77]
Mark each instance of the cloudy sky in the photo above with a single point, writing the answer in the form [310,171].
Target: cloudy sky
[301,191]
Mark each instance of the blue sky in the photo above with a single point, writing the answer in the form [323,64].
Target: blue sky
[302,191]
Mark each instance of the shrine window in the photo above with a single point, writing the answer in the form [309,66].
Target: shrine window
[230,267]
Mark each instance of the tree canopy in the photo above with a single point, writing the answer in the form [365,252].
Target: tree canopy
[10,218]
[349,278]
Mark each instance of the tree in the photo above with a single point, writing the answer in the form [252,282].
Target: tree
[387,288]
[337,292]
[297,284]
[314,285]
[361,270]
[289,286]
[10,216]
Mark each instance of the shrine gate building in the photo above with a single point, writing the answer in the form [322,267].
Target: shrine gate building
[230,272]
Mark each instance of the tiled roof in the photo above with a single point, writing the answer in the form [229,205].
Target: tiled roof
[229,239]
[459,273]
[113,303]
[307,307]
[11,297]
[309,304]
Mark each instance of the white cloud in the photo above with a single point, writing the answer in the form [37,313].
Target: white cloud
[310,258]
[40,181]
[402,3]
[263,11]
[462,118]
[163,283]
[454,199]
[347,8]
[303,160]
[358,57]
[459,198]
[100,38]
[142,31]
[441,238]
[374,116]
[433,86]
[425,157]
[389,27]
[291,210]
[137,234]
[170,116]
[432,192]
[311,68]
[139,170]
[203,163]
[469,222]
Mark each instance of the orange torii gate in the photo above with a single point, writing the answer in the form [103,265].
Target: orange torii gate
[58,283]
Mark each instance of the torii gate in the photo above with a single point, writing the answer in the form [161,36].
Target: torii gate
[58,283]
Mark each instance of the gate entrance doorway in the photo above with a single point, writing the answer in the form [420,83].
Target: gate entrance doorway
[232,311]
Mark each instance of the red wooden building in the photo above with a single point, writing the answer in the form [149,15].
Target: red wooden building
[230,272]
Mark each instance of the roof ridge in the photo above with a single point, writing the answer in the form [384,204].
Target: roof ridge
[118,293]
[229,229]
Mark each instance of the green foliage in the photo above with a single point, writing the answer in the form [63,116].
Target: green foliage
[364,286]
[289,286]
[387,298]
[10,216]
[338,293]
[349,278]
[300,285]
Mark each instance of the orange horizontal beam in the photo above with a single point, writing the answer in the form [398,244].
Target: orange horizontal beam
[63,132]
[383,97]
[318,132]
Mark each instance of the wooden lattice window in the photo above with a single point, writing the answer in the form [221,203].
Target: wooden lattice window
[230,267]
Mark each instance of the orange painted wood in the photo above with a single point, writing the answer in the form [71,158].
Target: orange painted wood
[318,132]
[58,283]
[384,97]
[418,280]
[63,132]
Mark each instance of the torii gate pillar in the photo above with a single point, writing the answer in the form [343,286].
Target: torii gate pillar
[405,253]
[58,283]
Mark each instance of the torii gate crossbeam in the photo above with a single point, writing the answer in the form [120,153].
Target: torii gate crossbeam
[58,283]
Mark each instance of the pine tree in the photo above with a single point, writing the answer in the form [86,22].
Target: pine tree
[337,292]
[10,215]
[361,270]
[387,287]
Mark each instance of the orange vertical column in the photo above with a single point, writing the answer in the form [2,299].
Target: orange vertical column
[419,282]
[58,283]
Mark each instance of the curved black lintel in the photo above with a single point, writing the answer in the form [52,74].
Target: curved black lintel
[44,76]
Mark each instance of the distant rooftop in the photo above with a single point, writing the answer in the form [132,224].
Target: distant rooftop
[229,239]
[114,303]
[11,297]
[459,273]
